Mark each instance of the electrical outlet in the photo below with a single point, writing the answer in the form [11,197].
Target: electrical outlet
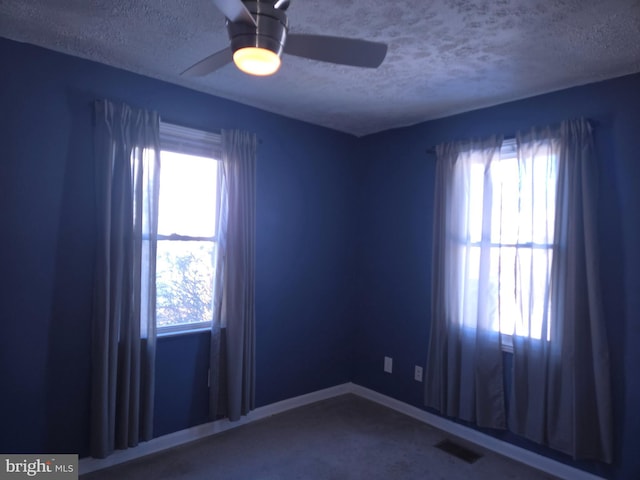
[388,364]
[417,374]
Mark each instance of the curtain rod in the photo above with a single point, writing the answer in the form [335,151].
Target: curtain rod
[432,149]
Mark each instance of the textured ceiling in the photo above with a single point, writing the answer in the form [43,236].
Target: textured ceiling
[445,56]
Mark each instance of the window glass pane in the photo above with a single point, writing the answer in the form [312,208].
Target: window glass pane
[184,282]
[476,202]
[540,324]
[187,203]
[470,286]
[505,280]
[505,220]
[519,279]
[523,200]
[545,178]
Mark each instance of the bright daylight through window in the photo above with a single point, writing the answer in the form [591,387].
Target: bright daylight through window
[186,229]
[515,241]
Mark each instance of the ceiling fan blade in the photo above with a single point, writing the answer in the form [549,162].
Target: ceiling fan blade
[235,11]
[209,64]
[341,50]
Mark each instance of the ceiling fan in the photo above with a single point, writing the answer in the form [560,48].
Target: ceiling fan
[259,34]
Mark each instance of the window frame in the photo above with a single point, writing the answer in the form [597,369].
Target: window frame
[509,151]
[200,143]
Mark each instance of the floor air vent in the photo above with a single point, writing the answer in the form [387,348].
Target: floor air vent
[458,451]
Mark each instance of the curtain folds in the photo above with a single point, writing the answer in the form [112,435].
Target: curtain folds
[127,160]
[232,335]
[515,256]
[464,363]
[561,388]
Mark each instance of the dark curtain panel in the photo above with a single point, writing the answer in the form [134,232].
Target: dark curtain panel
[232,334]
[561,387]
[127,159]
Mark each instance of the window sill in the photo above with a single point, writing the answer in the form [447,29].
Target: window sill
[506,343]
[172,332]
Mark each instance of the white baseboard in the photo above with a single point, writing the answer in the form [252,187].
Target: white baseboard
[521,455]
[470,435]
[198,432]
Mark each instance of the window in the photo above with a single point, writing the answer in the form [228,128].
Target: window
[511,244]
[188,201]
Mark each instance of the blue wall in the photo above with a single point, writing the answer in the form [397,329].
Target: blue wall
[304,246]
[395,229]
[343,248]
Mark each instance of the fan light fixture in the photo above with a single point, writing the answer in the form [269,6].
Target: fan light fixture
[259,32]
[257,61]
[257,48]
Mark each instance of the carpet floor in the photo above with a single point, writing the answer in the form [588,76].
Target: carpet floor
[342,438]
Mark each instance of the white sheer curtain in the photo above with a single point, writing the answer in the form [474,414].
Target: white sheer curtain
[515,257]
[464,363]
[524,184]
[127,163]
[233,329]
